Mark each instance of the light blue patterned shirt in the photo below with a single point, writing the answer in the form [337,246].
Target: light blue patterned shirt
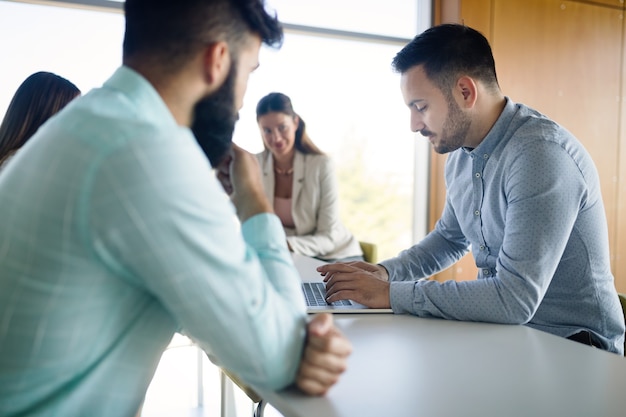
[527,200]
[115,233]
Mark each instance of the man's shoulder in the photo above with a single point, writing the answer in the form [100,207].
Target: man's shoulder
[534,124]
[126,105]
[106,119]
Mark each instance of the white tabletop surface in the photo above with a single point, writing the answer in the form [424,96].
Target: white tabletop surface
[404,366]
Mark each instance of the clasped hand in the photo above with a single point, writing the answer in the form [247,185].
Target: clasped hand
[325,356]
[362,282]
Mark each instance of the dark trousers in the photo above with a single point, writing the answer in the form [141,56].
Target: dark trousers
[585,338]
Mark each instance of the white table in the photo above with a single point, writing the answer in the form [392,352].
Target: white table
[404,366]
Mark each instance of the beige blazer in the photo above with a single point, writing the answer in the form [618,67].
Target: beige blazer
[318,230]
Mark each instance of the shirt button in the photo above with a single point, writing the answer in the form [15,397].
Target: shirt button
[481,247]
[486,156]
[477,175]
[485,272]
[477,213]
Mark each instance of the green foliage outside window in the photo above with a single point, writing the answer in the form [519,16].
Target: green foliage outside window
[375,208]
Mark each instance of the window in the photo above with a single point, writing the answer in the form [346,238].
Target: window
[342,86]
[395,18]
[350,99]
[81,45]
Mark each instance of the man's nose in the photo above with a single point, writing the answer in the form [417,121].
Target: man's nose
[416,123]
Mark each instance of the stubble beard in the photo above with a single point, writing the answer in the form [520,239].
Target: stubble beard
[455,129]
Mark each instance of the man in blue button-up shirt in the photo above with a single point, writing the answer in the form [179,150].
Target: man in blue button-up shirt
[522,192]
[116,233]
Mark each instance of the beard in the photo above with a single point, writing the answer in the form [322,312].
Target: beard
[454,130]
[214,121]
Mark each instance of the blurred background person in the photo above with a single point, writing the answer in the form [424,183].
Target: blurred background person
[39,97]
[299,180]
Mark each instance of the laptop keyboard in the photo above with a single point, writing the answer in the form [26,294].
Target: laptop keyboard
[315,293]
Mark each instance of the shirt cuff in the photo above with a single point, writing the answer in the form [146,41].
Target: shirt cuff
[391,268]
[264,230]
[403,297]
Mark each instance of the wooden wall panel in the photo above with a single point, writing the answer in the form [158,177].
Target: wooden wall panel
[446,10]
[618,4]
[620,241]
[478,15]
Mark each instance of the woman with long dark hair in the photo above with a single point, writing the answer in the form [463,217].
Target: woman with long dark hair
[39,97]
[300,181]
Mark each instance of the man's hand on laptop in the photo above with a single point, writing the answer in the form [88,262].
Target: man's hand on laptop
[362,282]
[378,271]
[325,356]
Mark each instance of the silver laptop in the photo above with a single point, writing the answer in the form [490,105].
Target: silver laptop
[315,291]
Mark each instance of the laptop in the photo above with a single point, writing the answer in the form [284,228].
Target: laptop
[314,291]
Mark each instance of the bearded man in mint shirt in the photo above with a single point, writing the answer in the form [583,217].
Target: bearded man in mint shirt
[116,231]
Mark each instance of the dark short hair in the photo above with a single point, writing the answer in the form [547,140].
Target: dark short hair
[280,103]
[40,96]
[448,51]
[171,32]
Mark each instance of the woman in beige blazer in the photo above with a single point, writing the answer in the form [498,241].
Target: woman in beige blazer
[300,181]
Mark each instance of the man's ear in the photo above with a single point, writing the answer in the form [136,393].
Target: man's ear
[216,64]
[467,90]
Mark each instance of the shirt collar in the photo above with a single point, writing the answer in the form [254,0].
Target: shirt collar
[491,141]
[142,94]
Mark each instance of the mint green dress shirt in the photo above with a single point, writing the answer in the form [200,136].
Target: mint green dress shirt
[115,234]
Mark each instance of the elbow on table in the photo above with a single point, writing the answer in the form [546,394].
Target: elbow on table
[278,376]
[517,312]
[281,381]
